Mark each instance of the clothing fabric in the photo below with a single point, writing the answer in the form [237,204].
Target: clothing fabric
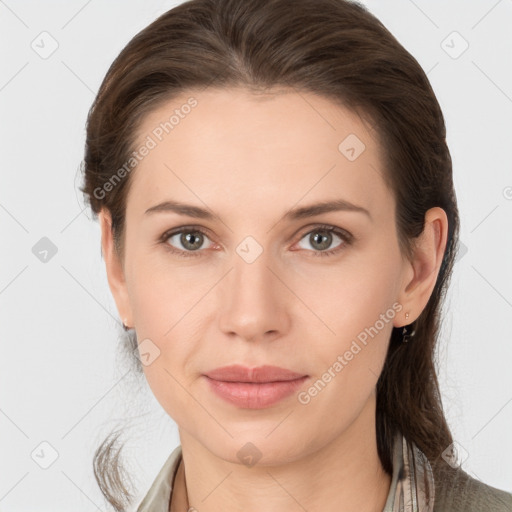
[415,486]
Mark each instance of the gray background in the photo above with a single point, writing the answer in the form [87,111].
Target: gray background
[62,382]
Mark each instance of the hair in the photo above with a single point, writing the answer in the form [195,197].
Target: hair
[338,50]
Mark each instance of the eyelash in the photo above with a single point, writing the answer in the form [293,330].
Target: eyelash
[344,235]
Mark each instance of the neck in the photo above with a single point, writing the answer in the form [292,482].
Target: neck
[344,475]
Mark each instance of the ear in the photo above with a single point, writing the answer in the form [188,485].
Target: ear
[114,268]
[420,275]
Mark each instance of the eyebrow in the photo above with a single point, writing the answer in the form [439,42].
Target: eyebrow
[294,214]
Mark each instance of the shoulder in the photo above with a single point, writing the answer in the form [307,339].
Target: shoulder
[457,491]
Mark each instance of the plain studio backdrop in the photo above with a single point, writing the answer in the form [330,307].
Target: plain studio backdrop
[63,387]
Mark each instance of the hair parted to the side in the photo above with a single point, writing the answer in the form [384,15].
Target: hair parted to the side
[336,49]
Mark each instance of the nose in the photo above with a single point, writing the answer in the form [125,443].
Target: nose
[254,302]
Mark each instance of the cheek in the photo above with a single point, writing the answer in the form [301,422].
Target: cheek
[166,304]
[347,365]
[169,388]
[355,305]
[164,331]
[158,294]
[351,297]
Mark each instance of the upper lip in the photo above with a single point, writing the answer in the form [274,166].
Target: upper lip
[239,373]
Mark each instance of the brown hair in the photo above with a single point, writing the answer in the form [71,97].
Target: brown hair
[336,49]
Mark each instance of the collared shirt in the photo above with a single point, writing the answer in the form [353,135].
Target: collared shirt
[412,487]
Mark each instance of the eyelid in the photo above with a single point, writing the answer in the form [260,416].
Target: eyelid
[328,227]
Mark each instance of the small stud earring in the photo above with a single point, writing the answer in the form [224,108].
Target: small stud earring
[407,332]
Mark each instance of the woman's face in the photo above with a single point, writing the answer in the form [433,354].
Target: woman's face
[264,283]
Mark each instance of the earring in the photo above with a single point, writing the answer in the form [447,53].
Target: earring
[125,327]
[407,332]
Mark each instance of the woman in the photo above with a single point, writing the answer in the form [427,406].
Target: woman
[279,226]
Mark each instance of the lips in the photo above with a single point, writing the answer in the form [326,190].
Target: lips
[253,388]
[238,373]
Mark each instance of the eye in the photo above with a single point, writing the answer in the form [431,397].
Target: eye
[322,237]
[190,238]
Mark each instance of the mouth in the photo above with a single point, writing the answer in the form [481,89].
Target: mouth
[259,374]
[254,388]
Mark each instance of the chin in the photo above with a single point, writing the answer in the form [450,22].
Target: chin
[258,448]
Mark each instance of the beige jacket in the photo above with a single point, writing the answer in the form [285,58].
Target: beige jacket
[415,487]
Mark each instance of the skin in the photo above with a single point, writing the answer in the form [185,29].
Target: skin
[250,158]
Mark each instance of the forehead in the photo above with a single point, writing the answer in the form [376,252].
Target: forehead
[258,151]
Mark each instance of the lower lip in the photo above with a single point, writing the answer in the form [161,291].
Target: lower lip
[250,395]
